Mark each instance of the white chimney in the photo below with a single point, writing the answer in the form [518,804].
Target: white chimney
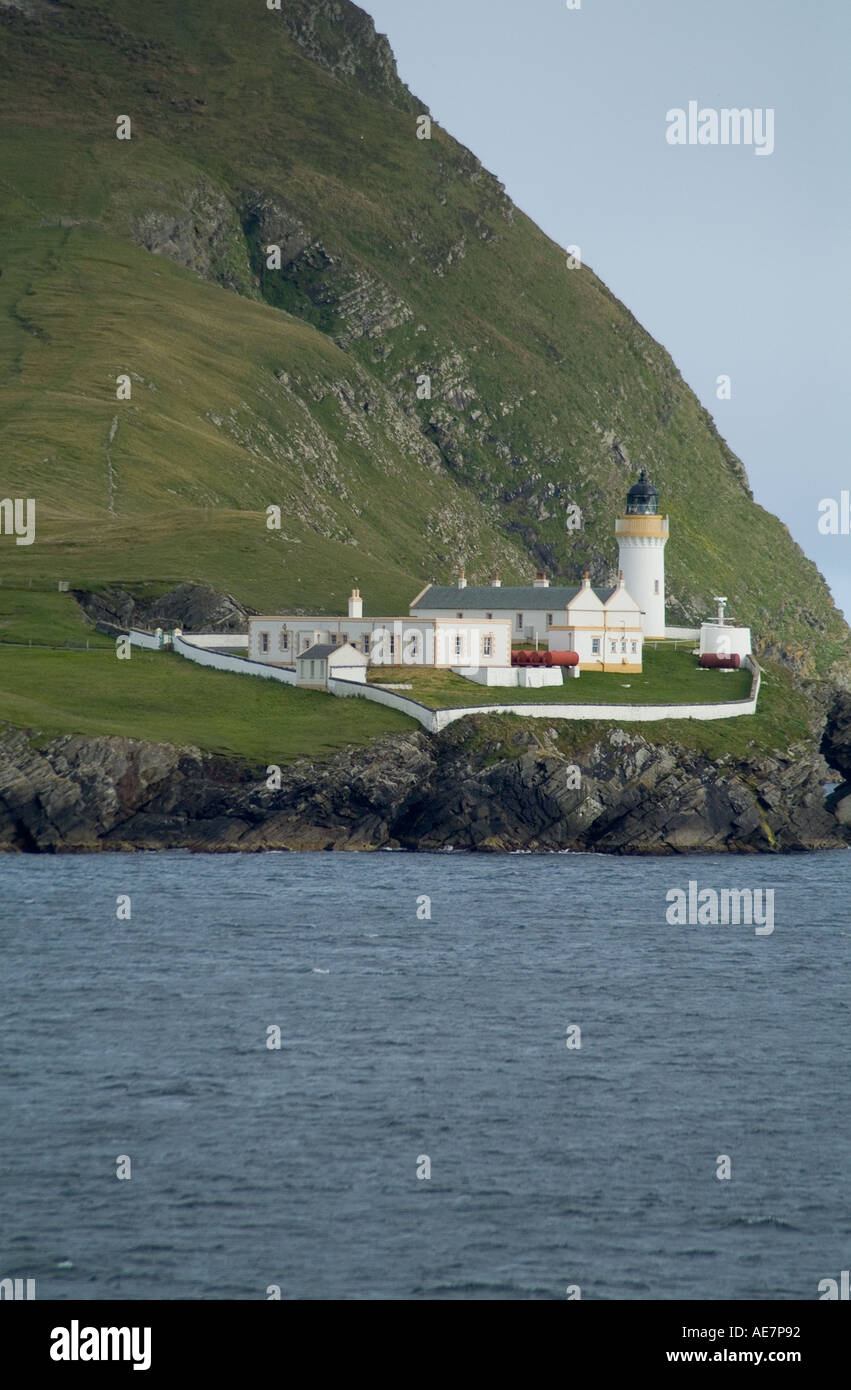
[355,604]
[586,580]
[497,582]
[462,580]
[541,581]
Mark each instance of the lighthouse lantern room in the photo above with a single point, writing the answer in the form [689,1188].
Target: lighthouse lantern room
[642,536]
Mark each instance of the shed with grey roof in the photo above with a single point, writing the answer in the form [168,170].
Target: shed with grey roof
[323,661]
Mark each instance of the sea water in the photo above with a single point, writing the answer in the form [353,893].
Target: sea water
[497,1077]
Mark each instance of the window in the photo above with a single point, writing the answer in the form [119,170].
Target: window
[312,665]
[489,617]
[519,622]
[366,644]
[264,641]
[458,645]
[284,640]
[634,648]
[487,645]
[549,620]
[392,644]
[344,637]
[613,646]
[623,644]
[595,646]
[655,586]
[305,641]
[459,615]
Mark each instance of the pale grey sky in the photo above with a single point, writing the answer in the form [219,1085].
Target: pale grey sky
[737,263]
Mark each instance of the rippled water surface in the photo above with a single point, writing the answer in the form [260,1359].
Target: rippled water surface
[403,1037]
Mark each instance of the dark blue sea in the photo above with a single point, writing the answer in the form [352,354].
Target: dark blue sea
[404,1037]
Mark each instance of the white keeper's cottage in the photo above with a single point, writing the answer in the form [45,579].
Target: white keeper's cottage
[421,640]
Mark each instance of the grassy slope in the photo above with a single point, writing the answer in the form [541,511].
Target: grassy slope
[164,699]
[554,366]
[210,438]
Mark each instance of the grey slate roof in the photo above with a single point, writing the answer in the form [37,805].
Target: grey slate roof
[320,652]
[504,596]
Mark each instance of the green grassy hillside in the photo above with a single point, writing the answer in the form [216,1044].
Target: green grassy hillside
[297,387]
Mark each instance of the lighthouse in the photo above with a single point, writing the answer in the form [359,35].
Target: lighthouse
[642,536]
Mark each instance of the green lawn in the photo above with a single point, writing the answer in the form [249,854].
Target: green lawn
[671,676]
[45,618]
[166,699]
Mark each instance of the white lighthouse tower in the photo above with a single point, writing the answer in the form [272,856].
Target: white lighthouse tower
[642,536]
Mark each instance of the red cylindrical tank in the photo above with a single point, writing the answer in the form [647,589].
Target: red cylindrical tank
[562,658]
[538,658]
[711,662]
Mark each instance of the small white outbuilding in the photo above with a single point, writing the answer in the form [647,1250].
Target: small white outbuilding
[323,661]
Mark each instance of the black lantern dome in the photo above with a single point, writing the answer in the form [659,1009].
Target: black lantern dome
[642,498]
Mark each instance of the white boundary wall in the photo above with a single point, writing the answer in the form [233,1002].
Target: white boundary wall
[683,634]
[145,639]
[220,661]
[216,639]
[435,720]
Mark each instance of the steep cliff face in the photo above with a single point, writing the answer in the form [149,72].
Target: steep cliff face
[420,337]
[459,790]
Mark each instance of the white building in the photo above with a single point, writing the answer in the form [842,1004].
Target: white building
[642,536]
[318,663]
[722,638]
[416,641]
[602,625]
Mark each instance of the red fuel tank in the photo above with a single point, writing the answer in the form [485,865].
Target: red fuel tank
[710,662]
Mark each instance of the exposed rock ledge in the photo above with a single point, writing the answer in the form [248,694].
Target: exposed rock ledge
[459,789]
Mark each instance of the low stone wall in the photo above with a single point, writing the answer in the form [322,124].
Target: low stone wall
[216,639]
[435,720]
[221,661]
[148,640]
[423,715]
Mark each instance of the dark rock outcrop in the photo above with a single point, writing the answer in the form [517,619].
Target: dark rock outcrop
[192,607]
[412,791]
[836,749]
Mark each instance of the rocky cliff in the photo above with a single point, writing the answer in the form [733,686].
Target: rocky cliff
[503,786]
